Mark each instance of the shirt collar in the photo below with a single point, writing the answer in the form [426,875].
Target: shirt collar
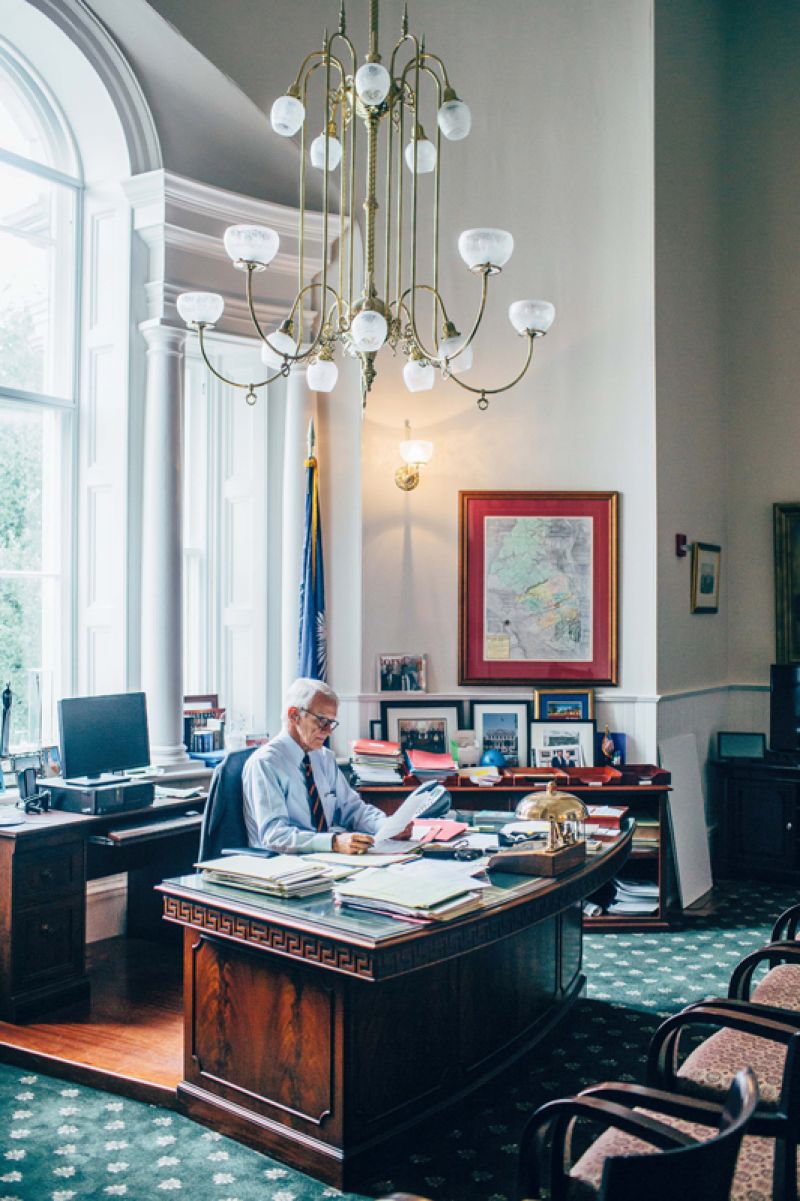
[291,749]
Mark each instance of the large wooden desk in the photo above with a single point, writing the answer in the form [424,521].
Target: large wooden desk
[44,867]
[318,1034]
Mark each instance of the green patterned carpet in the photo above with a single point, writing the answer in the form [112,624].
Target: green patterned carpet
[61,1142]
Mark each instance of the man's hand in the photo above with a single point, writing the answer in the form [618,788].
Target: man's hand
[352,844]
[409,830]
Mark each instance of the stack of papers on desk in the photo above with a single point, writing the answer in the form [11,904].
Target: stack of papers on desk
[634,897]
[430,765]
[374,761]
[281,876]
[420,895]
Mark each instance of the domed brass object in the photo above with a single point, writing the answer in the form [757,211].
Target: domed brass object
[566,845]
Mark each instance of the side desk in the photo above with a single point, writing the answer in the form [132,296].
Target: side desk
[44,868]
[758,815]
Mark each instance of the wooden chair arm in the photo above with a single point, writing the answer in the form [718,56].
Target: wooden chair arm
[758,1020]
[556,1118]
[772,953]
[692,1109]
[786,925]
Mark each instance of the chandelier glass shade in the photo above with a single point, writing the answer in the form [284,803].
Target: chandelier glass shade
[372,118]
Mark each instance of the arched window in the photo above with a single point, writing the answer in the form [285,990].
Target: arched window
[40,220]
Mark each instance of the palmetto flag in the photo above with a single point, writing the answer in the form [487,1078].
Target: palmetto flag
[312,650]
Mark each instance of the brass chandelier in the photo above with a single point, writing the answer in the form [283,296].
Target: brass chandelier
[382,307]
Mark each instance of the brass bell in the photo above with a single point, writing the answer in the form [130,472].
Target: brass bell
[565,812]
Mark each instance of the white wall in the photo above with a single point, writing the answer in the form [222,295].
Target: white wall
[566,165]
[762,288]
[690,393]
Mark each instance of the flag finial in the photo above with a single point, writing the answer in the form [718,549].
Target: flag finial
[310,441]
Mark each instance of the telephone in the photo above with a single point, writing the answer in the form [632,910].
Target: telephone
[433,800]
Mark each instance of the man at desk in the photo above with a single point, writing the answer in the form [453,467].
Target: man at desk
[296,799]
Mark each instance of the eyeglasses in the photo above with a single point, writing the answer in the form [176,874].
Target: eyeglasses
[324,723]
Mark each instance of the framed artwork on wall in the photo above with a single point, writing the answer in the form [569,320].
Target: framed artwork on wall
[786,534]
[563,704]
[538,587]
[562,743]
[502,726]
[421,725]
[705,577]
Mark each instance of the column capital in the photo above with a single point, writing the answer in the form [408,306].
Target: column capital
[168,339]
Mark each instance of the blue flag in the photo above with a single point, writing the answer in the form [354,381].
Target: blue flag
[312,649]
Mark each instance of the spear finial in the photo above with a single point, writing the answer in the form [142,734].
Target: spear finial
[404,25]
[342,19]
[310,441]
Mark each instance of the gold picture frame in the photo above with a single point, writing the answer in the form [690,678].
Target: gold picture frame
[705,577]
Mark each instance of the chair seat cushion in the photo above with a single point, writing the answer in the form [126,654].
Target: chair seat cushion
[752,1180]
[780,986]
[710,1068]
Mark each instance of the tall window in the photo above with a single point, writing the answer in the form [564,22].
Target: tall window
[40,194]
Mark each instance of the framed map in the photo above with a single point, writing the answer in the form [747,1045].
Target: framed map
[538,587]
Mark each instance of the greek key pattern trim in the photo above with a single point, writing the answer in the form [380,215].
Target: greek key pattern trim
[294,944]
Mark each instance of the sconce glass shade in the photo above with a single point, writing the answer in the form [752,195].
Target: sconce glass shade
[480,246]
[322,375]
[416,451]
[372,83]
[280,342]
[204,308]
[287,115]
[535,315]
[317,153]
[369,330]
[251,244]
[455,120]
[419,375]
[426,156]
[449,346]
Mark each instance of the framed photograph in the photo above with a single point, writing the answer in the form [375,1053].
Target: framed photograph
[402,673]
[421,725]
[502,726]
[376,729]
[786,531]
[538,587]
[563,704]
[610,748]
[562,743]
[705,578]
[51,761]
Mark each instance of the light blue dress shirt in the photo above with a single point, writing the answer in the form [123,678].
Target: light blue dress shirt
[276,810]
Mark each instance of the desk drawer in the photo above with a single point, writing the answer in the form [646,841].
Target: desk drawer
[51,873]
[48,943]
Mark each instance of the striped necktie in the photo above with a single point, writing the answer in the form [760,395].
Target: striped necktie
[318,819]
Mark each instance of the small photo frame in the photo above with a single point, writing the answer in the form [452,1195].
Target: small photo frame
[376,729]
[563,704]
[614,743]
[502,726]
[402,673]
[705,577]
[420,725]
[51,762]
[562,743]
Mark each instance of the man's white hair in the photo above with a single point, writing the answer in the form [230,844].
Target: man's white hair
[300,695]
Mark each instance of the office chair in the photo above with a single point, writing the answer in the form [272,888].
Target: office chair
[223,830]
[655,1146]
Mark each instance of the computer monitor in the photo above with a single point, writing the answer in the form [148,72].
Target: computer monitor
[103,734]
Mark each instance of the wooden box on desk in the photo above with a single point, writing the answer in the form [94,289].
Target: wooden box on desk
[539,862]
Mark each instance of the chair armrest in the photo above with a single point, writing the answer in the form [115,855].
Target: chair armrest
[772,953]
[557,1117]
[692,1109]
[758,1020]
[786,925]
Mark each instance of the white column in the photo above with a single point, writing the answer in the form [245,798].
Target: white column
[300,408]
[162,632]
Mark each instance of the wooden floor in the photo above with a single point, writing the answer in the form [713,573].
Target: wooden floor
[131,1039]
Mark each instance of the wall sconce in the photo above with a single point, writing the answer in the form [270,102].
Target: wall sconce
[415,453]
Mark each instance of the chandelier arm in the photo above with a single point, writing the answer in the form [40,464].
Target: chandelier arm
[288,358]
[434,358]
[484,392]
[347,131]
[337,304]
[326,60]
[231,383]
[407,37]
[426,54]
[419,68]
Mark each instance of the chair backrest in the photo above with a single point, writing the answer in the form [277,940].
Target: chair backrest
[675,1174]
[223,817]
